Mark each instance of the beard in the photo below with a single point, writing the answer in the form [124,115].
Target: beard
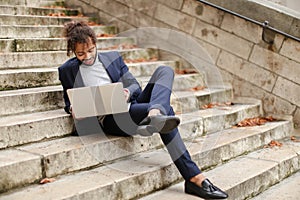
[89,61]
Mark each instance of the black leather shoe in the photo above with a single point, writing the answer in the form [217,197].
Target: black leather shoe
[163,123]
[207,191]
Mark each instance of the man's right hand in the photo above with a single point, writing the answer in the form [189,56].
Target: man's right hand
[73,114]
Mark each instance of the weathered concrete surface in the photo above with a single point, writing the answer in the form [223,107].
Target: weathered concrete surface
[253,173]
[56,44]
[50,97]
[27,128]
[47,76]
[287,189]
[57,58]
[18,168]
[43,31]
[150,170]
[74,153]
[56,123]
[37,20]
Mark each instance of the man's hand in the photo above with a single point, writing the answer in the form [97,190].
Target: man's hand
[73,115]
[127,94]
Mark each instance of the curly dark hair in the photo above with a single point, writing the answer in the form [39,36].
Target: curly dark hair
[77,32]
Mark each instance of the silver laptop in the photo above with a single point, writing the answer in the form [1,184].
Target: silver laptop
[98,100]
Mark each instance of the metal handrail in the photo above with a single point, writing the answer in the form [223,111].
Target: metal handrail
[264,24]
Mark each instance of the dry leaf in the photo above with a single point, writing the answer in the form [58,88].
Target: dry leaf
[216,104]
[106,35]
[273,143]
[79,15]
[294,139]
[153,59]
[178,113]
[91,23]
[57,14]
[255,121]
[197,88]
[185,71]
[47,180]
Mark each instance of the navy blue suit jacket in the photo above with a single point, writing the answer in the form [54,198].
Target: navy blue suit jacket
[70,77]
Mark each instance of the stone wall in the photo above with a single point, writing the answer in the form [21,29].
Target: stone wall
[254,68]
[278,16]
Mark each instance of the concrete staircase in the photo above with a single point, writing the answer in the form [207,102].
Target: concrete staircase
[35,132]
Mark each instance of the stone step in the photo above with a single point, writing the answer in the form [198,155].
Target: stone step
[38,77]
[253,173]
[27,78]
[44,31]
[145,172]
[183,101]
[288,189]
[57,58]
[35,20]
[43,11]
[9,2]
[205,121]
[25,167]
[58,155]
[33,127]
[41,3]
[31,2]
[56,123]
[184,82]
[50,97]
[58,44]
[31,100]
[7,45]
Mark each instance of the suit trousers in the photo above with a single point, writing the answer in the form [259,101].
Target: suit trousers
[156,95]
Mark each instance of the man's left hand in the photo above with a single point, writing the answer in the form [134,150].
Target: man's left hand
[127,94]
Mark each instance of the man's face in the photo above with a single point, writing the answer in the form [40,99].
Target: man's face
[86,52]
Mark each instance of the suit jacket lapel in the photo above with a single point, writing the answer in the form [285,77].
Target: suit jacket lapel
[78,81]
[107,63]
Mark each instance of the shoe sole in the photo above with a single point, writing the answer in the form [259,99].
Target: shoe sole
[146,130]
[169,125]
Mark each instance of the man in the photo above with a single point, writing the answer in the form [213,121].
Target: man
[149,111]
